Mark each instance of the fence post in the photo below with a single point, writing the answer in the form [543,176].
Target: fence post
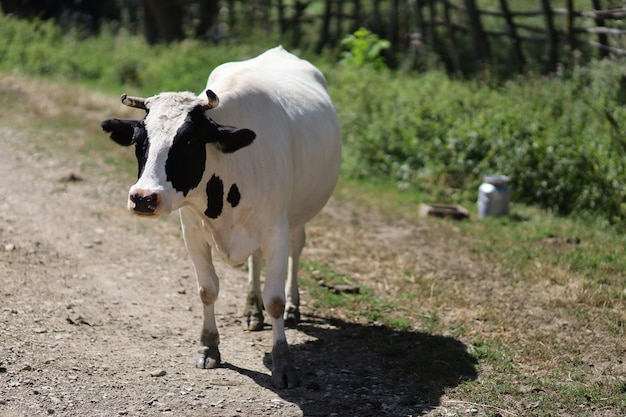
[454,54]
[392,25]
[512,31]
[479,40]
[377,25]
[419,19]
[602,37]
[571,28]
[420,40]
[282,25]
[437,46]
[325,29]
[338,19]
[431,35]
[356,18]
[232,18]
[552,36]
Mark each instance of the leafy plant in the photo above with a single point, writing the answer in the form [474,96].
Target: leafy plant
[365,48]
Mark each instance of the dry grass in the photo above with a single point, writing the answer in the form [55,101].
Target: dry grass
[540,302]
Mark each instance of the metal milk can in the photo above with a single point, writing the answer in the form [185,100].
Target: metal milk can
[493,196]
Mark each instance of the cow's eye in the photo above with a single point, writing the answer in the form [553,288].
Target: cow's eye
[139,133]
[191,141]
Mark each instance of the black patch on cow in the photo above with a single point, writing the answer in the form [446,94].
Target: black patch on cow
[215,197]
[187,156]
[128,132]
[233,196]
[230,139]
[226,139]
[121,131]
[142,146]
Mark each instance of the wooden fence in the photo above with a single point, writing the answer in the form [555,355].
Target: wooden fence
[547,35]
[464,34]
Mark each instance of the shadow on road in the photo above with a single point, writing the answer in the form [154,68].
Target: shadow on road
[353,369]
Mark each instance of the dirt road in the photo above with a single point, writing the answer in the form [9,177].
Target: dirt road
[99,316]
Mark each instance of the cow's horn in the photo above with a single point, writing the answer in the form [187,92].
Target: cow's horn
[213,100]
[137,102]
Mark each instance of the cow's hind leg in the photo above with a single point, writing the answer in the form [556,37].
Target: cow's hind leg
[208,355]
[292,305]
[253,311]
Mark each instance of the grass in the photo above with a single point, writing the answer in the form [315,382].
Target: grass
[540,305]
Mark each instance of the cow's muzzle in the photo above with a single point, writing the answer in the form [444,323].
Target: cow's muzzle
[144,204]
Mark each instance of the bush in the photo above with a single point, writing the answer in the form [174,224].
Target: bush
[111,60]
[559,138]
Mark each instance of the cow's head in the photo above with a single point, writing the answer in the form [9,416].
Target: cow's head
[171,147]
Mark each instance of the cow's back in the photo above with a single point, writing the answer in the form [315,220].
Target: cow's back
[293,164]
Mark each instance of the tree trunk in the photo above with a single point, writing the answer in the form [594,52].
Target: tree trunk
[208,15]
[552,35]
[512,32]
[479,38]
[324,36]
[163,20]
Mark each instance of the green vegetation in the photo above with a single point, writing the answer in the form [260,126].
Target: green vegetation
[364,48]
[110,61]
[559,138]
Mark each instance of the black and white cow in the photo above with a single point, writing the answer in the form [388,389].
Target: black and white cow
[244,192]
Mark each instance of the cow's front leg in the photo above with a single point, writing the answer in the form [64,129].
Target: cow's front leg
[276,251]
[208,355]
[253,311]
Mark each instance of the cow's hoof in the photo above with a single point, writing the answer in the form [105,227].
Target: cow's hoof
[285,376]
[284,373]
[208,357]
[253,322]
[292,316]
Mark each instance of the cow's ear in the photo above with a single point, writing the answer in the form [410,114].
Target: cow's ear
[121,130]
[230,139]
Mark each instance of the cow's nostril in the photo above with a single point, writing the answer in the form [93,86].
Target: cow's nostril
[144,204]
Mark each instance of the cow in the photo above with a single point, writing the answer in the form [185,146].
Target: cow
[247,163]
